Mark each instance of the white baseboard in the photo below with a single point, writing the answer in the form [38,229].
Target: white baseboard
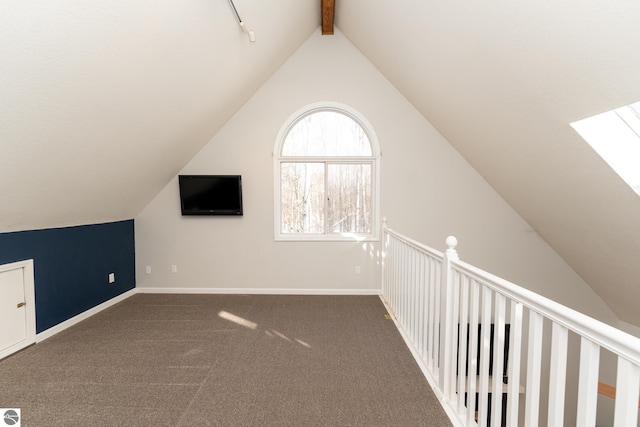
[259,291]
[82,316]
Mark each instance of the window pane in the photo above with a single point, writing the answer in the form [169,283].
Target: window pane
[631,116]
[326,133]
[615,136]
[349,198]
[302,197]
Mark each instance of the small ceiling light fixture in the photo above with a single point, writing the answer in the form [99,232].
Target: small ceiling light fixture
[250,33]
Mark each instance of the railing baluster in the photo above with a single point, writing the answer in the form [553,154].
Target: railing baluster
[396,279]
[425,306]
[437,327]
[627,383]
[407,287]
[534,358]
[421,305]
[384,260]
[400,286]
[434,314]
[454,319]
[410,294]
[515,351]
[448,316]
[485,348]
[588,382]
[391,260]
[402,296]
[385,267]
[498,360]
[392,276]
[472,369]
[557,375]
[416,297]
[463,321]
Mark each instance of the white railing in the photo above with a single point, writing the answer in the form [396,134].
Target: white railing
[431,294]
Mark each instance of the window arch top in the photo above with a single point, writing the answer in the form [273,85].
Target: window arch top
[326,176]
[326,133]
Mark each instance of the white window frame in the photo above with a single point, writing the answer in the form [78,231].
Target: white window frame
[374,160]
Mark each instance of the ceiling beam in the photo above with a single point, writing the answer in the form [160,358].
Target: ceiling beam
[328,8]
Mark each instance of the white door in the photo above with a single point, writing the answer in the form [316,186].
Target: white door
[17,313]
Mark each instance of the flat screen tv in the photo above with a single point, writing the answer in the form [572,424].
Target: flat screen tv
[210,194]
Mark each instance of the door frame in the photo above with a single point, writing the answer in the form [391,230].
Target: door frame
[28,284]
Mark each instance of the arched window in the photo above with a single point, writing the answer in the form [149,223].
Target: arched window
[326,176]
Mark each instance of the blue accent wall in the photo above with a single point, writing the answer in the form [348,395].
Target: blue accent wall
[72,265]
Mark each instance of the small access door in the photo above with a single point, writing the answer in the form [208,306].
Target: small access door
[17,307]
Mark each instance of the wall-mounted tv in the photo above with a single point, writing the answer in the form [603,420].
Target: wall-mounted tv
[210,194]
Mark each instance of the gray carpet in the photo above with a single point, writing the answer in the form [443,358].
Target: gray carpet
[224,360]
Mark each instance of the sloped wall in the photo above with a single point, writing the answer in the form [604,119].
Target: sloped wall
[428,191]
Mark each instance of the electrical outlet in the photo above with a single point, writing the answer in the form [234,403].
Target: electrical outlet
[357,269]
[147,269]
[112,277]
[174,268]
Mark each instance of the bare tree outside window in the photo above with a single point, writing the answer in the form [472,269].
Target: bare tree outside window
[349,198]
[326,176]
[326,134]
[302,196]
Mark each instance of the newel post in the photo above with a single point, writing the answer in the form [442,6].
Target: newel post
[448,342]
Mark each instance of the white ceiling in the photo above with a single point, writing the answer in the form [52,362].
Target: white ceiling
[98,96]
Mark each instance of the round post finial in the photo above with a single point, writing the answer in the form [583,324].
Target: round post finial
[384,223]
[451,242]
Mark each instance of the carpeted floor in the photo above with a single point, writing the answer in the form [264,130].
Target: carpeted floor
[224,360]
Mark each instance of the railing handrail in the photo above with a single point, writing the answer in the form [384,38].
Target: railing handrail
[435,253]
[613,339]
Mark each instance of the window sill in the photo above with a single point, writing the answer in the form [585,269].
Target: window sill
[326,238]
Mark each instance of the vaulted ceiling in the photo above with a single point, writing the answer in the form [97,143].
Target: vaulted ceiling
[96,96]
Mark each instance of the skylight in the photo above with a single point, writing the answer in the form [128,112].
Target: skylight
[615,135]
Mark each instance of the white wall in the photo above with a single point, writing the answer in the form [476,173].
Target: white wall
[428,191]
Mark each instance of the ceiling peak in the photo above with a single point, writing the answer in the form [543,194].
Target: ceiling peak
[328,9]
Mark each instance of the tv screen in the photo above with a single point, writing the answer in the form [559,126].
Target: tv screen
[210,194]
